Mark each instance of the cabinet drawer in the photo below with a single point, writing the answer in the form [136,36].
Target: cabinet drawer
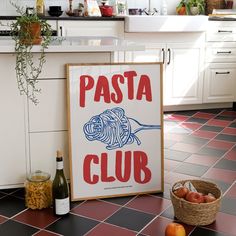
[220,82]
[221,31]
[221,54]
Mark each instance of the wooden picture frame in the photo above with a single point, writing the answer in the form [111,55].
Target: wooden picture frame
[115,122]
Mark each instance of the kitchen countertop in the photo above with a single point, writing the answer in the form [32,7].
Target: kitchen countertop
[80,18]
[78,44]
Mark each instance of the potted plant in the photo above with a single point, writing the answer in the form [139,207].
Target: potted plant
[26,31]
[181,9]
[196,7]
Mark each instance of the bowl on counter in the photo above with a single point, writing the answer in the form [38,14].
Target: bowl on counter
[54,8]
[55,13]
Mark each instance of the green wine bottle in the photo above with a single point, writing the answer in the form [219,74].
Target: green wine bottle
[60,190]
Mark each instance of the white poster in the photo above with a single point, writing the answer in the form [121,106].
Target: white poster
[115,129]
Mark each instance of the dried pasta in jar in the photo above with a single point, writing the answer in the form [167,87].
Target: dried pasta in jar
[38,190]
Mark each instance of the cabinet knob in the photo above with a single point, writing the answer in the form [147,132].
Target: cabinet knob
[224,52]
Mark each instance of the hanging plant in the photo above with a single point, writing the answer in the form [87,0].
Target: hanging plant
[26,31]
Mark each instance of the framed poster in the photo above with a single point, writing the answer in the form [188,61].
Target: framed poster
[115,129]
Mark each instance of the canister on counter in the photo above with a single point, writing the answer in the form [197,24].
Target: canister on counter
[38,190]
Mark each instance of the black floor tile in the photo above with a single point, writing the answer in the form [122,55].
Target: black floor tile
[169,143]
[212,152]
[205,232]
[10,190]
[169,213]
[13,228]
[197,120]
[2,194]
[176,155]
[230,118]
[10,205]
[194,140]
[233,125]
[130,219]
[72,225]
[222,185]
[228,205]
[20,193]
[118,200]
[226,137]
[212,111]
[226,164]
[212,128]
[180,130]
[186,113]
[191,169]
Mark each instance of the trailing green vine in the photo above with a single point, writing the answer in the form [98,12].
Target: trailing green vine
[28,64]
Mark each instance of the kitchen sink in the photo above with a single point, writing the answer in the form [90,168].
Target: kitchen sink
[169,23]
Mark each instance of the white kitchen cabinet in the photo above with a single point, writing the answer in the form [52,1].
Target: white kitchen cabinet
[12,126]
[43,146]
[220,82]
[91,28]
[183,65]
[220,71]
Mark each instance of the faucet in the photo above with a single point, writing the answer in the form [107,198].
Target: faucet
[149,12]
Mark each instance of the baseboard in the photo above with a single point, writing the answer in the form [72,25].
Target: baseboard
[200,106]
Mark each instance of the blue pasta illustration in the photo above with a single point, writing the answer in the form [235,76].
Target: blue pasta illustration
[113,128]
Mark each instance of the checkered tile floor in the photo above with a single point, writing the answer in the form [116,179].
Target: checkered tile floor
[198,144]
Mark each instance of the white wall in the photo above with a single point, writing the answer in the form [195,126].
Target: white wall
[7,9]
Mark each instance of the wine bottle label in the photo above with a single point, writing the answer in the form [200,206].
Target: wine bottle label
[62,206]
[59,165]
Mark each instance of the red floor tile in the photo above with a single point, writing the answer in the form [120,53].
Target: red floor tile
[158,226]
[2,219]
[204,134]
[228,113]
[229,130]
[96,209]
[215,122]
[224,223]
[175,117]
[227,176]
[203,115]
[191,126]
[104,229]
[231,155]
[232,192]
[38,218]
[170,164]
[220,144]
[45,233]
[201,160]
[186,147]
[149,204]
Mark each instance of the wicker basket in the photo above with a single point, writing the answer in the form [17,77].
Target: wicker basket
[214,4]
[195,213]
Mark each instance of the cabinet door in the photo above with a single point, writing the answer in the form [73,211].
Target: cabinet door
[152,53]
[183,77]
[12,126]
[220,83]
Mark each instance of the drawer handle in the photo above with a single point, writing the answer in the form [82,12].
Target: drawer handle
[223,73]
[226,52]
[163,55]
[225,31]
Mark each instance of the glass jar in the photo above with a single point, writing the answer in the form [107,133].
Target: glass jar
[38,190]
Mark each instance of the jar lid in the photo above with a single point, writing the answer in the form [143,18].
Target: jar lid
[38,176]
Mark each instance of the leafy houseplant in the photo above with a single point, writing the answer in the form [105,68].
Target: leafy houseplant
[198,5]
[26,32]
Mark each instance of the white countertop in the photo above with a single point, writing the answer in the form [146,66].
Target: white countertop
[78,44]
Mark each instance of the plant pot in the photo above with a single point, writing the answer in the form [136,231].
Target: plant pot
[31,33]
[194,10]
